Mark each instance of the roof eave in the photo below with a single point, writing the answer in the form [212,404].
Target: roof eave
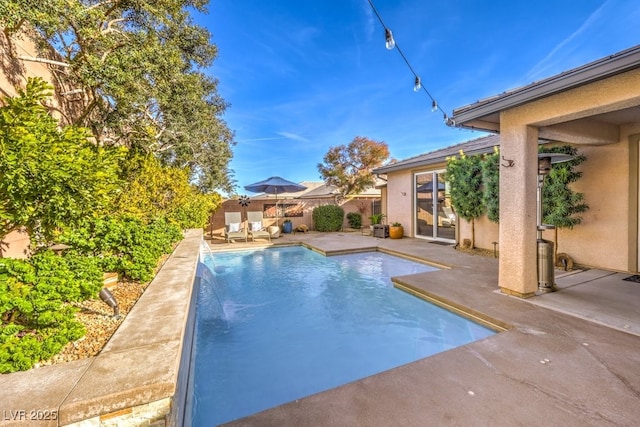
[471,116]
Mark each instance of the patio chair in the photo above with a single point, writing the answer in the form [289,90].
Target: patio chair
[256,228]
[450,216]
[233,227]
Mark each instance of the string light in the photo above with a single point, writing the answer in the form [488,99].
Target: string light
[388,36]
[390,43]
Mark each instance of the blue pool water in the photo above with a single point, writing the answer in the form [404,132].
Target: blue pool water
[275,325]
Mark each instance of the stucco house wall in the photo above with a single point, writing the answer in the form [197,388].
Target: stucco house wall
[399,205]
[601,240]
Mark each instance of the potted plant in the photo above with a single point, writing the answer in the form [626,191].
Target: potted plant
[377,229]
[287,226]
[377,218]
[396,231]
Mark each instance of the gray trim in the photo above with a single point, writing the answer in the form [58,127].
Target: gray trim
[476,146]
[603,68]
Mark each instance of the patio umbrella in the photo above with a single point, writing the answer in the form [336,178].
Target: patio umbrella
[274,185]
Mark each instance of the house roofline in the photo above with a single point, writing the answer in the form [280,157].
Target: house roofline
[617,63]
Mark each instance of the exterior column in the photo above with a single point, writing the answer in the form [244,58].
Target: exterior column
[518,209]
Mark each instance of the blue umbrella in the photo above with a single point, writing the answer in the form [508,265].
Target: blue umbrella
[275,185]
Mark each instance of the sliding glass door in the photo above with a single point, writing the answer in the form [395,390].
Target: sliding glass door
[434,216]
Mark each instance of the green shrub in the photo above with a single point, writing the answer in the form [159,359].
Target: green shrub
[124,244]
[328,218]
[37,319]
[355,220]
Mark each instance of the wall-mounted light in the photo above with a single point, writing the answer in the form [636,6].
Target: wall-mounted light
[404,193]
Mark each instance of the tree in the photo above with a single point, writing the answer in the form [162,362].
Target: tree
[132,71]
[561,205]
[154,191]
[491,184]
[465,175]
[349,167]
[51,177]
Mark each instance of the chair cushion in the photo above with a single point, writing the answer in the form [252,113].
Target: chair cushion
[256,226]
[234,227]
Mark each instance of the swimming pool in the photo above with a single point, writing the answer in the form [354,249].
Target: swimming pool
[278,324]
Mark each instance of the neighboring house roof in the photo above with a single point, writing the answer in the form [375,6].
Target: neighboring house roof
[316,190]
[475,146]
[485,114]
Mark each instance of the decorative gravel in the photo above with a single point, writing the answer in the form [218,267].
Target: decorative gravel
[99,322]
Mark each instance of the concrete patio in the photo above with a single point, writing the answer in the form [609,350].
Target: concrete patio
[567,358]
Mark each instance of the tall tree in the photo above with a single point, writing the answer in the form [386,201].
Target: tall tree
[51,177]
[133,70]
[491,184]
[465,175]
[349,167]
[561,206]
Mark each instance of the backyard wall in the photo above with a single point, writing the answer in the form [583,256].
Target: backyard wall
[305,206]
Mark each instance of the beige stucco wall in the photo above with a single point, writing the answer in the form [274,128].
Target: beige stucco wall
[603,239]
[399,206]
[15,72]
[216,223]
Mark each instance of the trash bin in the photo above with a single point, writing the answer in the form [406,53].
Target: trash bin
[546,279]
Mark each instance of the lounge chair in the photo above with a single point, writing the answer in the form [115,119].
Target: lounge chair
[450,217]
[256,228]
[233,227]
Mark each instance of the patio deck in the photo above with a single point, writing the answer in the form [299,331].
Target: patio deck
[567,358]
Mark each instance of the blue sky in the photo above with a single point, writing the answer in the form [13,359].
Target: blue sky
[303,76]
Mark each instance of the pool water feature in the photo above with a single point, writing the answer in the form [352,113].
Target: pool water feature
[278,324]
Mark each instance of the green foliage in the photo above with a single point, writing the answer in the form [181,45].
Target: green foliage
[491,188]
[349,167]
[354,219]
[155,191]
[377,218]
[328,218]
[561,205]
[37,319]
[124,244]
[51,177]
[465,175]
[141,67]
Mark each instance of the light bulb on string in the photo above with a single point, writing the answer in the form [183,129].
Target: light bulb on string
[390,42]
[417,85]
[434,106]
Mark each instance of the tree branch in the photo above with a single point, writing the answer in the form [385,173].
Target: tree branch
[43,60]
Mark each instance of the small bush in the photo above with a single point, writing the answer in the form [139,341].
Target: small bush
[124,244]
[328,218]
[36,317]
[355,220]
